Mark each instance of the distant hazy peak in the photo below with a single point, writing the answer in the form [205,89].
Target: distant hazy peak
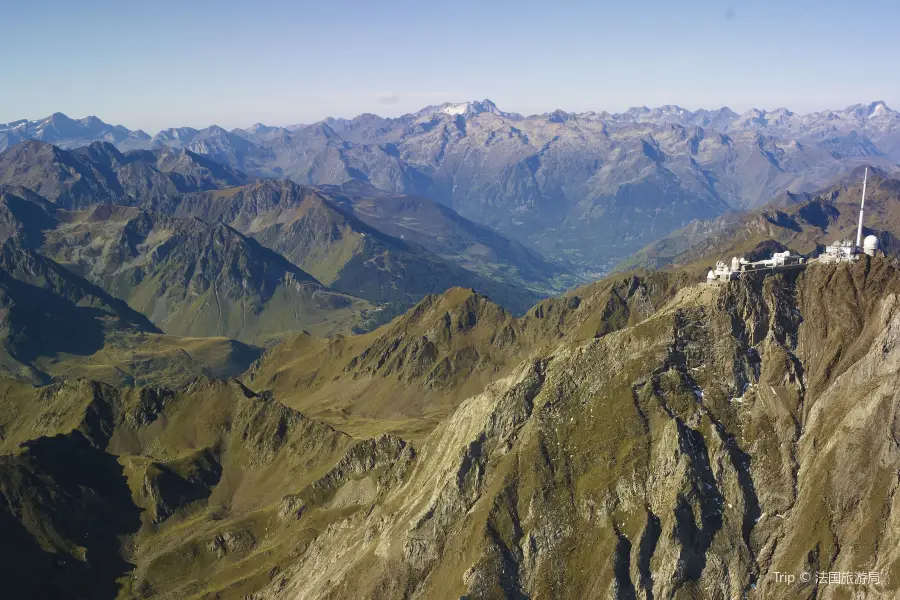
[62,130]
[60,127]
[177,133]
[476,107]
[665,109]
[466,109]
[873,109]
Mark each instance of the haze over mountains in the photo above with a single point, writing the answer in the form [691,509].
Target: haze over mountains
[588,187]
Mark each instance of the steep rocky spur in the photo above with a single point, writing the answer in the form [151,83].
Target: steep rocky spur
[739,431]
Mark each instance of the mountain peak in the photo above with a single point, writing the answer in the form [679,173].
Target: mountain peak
[58,117]
[724,110]
[471,108]
[878,108]
[101,153]
[30,146]
[92,121]
[873,109]
[261,128]
[61,130]
[559,116]
[855,176]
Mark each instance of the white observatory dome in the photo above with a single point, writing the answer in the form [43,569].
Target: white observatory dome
[870,244]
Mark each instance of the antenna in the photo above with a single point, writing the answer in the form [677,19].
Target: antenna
[861,209]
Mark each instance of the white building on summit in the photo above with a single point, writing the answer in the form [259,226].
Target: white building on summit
[838,252]
[780,261]
[847,251]
[871,245]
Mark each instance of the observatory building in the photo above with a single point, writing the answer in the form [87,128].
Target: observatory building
[838,252]
[780,261]
[847,251]
[871,245]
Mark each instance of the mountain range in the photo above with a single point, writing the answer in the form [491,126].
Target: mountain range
[216,383]
[99,173]
[204,250]
[590,188]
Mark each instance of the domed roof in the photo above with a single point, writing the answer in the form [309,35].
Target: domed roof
[870,243]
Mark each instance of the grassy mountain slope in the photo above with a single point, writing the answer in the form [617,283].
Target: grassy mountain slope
[684,441]
[47,311]
[196,279]
[187,475]
[406,376]
[55,324]
[337,248]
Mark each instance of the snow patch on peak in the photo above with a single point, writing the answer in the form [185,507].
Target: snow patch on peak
[471,108]
[878,108]
[455,109]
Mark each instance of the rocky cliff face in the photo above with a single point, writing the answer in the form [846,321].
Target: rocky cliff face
[739,431]
[647,438]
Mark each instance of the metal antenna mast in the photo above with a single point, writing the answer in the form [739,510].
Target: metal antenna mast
[862,207]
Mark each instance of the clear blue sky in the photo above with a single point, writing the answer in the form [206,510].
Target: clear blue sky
[169,63]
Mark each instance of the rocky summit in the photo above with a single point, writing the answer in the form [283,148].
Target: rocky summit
[645,436]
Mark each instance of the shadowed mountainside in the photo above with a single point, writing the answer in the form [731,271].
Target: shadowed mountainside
[54,323]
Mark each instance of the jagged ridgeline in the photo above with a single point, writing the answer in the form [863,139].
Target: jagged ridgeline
[589,187]
[643,437]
